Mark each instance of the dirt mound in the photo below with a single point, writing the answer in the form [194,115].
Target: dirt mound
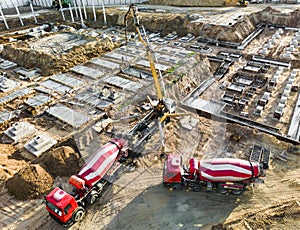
[278,213]
[51,64]
[293,178]
[62,161]
[10,163]
[30,182]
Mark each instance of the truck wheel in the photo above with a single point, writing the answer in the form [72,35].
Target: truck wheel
[196,187]
[222,190]
[91,199]
[78,214]
[237,191]
[177,187]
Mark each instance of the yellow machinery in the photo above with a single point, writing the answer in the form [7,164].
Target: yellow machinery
[165,108]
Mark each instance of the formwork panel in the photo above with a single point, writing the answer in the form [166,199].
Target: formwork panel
[67,80]
[67,115]
[56,87]
[20,130]
[39,144]
[122,83]
[14,95]
[160,67]
[87,71]
[5,64]
[120,57]
[105,63]
[38,100]
[5,116]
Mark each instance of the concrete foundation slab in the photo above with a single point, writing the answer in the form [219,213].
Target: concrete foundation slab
[40,144]
[168,59]
[105,63]
[189,123]
[25,74]
[38,101]
[7,84]
[104,105]
[56,87]
[137,73]
[122,83]
[5,116]
[43,90]
[294,129]
[87,71]
[135,51]
[5,64]
[14,95]
[101,99]
[67,80]
[176,51]
[158,66]
[210,107]
[19,130]
[67,115]
[120,57]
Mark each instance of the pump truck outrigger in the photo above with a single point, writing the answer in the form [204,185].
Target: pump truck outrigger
[68,208]
[220,174]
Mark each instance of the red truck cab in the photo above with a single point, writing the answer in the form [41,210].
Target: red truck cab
[61,205]
[172,170]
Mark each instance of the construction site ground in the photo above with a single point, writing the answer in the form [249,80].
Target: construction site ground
[137,200]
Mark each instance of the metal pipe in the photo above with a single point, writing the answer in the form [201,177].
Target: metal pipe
[35,20]
[94,11]
[4,20]
[75,6]
[104,15]
[81,18]
[7,6]
[84,9]
[18,13]
[44,3]
[18,3]
[62,11]
[71,13]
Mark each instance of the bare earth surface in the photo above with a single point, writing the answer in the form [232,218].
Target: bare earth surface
[139,201]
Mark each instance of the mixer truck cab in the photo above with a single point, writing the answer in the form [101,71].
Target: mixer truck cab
[68,207]
[172,170]
[61,206]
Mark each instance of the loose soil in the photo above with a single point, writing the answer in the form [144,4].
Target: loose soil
[30,182]
[138,200]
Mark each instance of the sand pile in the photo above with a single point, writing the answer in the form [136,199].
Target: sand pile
[22,54]
[10,163]
[30,182]
[62,161]
[278,213]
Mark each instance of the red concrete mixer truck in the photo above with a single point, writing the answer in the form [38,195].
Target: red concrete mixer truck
[220,174]
[69,207]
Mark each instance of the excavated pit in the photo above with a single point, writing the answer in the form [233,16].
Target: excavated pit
[37,178]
